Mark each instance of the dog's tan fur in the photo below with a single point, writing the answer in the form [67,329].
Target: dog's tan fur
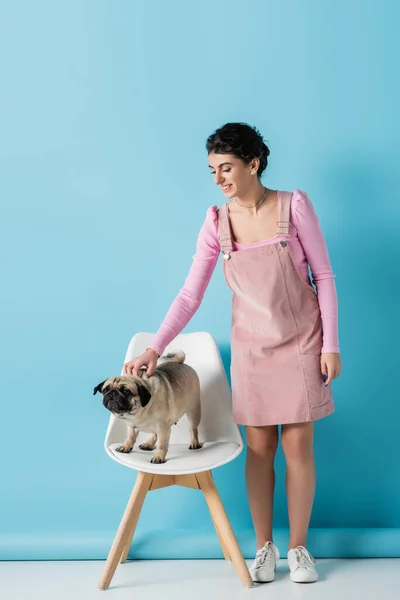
[175,391]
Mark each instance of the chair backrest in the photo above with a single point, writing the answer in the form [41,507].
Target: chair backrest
[202,353]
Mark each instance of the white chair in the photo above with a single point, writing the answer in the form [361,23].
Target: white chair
[222,442]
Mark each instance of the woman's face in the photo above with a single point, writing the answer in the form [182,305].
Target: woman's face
[231,174]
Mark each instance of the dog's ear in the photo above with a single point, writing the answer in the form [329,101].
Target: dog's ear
[99,388]
[144,395]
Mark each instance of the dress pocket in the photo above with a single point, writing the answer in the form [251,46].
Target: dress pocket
[318,393]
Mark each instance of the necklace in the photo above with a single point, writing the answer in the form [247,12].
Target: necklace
[254,205]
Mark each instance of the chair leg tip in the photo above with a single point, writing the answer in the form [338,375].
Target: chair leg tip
[102,587]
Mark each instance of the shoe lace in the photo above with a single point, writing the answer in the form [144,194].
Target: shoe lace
[265,555]
[304,558]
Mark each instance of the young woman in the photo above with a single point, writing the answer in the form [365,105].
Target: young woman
[284,336]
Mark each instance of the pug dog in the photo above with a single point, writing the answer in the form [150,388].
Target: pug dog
[153,404]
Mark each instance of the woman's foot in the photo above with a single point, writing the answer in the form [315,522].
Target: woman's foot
[302,565]
[263,568]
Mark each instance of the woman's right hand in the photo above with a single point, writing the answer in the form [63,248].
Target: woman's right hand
[148,358]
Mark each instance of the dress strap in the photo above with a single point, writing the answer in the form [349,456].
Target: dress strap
[225,235]
[284,213]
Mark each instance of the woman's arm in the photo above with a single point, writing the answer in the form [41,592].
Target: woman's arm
[314,245]
[191,294]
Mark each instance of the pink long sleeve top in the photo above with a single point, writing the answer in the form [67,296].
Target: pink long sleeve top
[308,248]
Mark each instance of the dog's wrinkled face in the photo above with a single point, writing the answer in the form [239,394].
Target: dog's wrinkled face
[123,394]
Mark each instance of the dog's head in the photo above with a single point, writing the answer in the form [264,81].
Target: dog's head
[124,394]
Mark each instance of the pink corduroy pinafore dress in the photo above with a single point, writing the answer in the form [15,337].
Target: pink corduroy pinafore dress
[276,334]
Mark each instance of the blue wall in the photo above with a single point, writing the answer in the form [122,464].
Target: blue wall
[105,108]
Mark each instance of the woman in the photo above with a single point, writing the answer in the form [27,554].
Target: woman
[284,336]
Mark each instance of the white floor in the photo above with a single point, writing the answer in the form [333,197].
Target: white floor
[358,579]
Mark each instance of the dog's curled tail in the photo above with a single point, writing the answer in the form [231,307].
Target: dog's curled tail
[176,357]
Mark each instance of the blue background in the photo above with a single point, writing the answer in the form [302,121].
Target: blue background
[105,110]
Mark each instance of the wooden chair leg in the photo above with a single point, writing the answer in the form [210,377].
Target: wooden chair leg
[126,527]
[221,520]
[129,539]
[221,541]
[127,548]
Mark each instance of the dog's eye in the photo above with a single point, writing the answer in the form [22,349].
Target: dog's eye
[126,392]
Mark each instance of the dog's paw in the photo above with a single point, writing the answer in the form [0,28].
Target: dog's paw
[156,460]
[146,447]
[195,446]
[124,449]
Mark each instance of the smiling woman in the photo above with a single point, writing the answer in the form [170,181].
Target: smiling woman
[231,150]
[284,336]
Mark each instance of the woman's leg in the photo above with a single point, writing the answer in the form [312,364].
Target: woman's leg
[297,444]
[262,443]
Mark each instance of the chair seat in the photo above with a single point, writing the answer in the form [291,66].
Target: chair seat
[180,460]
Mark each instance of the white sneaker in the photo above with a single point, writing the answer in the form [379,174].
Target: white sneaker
[302,565]
[263,568]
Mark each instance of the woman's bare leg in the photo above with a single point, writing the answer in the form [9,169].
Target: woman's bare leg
[262,443]
[297,444]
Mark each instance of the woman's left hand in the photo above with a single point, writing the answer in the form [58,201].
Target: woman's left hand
[331,365]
